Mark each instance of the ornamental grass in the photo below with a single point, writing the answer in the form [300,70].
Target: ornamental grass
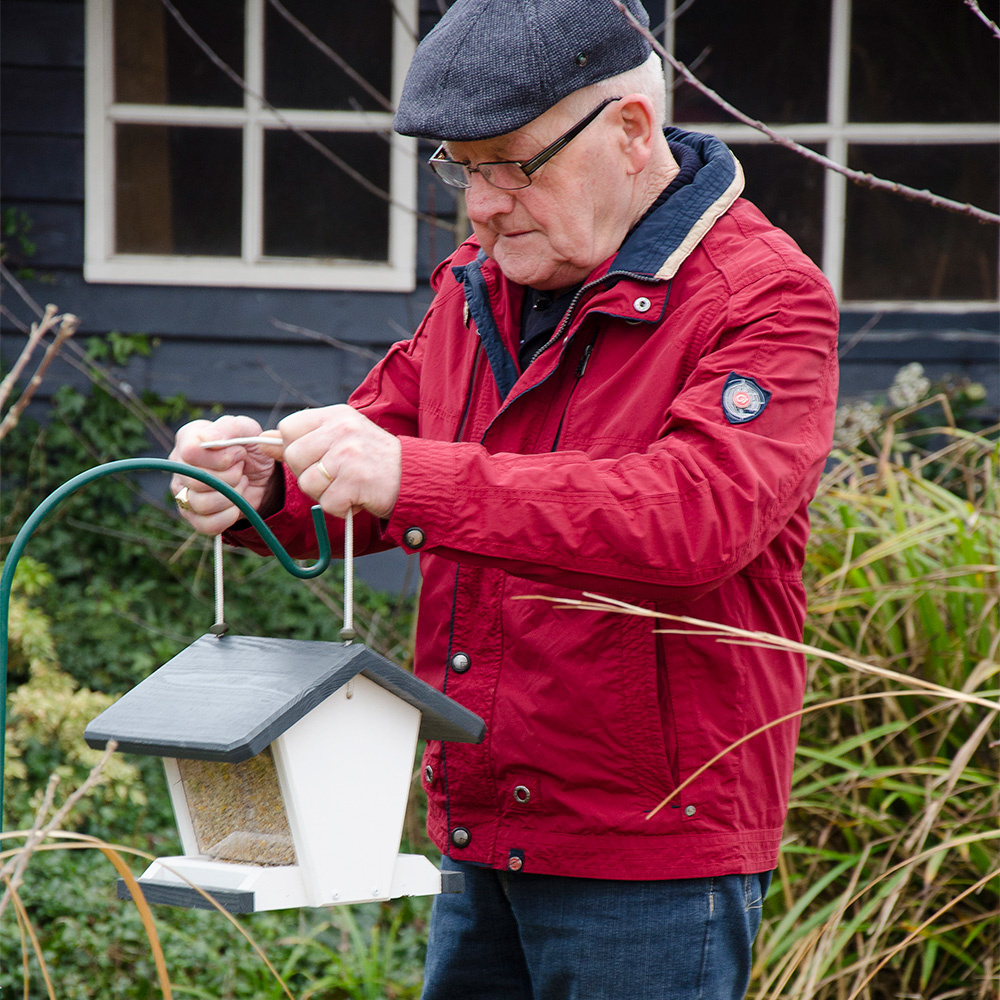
[889,884]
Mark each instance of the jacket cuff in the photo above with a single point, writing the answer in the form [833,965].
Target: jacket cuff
[425,512]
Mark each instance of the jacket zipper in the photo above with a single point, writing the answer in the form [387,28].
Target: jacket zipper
[648,278]
[580,369]
[652,279]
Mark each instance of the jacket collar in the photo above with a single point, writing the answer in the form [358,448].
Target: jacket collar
[668,235]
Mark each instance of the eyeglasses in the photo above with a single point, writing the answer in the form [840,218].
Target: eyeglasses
[509,175]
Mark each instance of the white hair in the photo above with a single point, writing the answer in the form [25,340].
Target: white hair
[646,78]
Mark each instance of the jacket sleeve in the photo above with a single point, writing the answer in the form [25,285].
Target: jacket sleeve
[704,500]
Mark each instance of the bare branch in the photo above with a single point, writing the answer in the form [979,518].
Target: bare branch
[67,327]
[330,54]
[20,289]
[411,29]
[861,334]
[36,334]
[78,358]
[15,320]
[856,176]
[973,5]
[325,338]
[680,10]
[13,871]
[305,136]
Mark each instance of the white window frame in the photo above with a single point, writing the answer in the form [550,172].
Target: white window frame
[836,134]
[251,268]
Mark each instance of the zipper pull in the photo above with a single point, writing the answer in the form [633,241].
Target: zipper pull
[582,366]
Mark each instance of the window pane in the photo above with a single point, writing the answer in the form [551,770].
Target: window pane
[927,62]
[788,189]
[156,62]
[312,208]
[899,249]
[178,190]
[298,74]
[769,60]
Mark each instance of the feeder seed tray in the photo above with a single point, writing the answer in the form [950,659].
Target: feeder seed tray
[237,810]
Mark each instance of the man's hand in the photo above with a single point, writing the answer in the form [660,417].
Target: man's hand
[343,460]
[249,469]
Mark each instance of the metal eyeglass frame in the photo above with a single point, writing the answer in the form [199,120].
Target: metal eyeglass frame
[459,175]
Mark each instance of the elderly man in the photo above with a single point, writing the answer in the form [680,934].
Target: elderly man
[625,385]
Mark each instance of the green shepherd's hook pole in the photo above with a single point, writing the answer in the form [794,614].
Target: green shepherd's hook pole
[132,465]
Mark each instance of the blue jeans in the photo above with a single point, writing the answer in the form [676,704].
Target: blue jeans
[544,937]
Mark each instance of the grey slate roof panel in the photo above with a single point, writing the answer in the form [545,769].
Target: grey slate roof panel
[227,698]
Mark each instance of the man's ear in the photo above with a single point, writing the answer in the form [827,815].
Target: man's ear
[639,130]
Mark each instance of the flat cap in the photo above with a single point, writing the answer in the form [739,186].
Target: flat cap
[491,66]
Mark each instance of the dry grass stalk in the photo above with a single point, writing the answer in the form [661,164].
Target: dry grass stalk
[731,634]
[27,930]
[62,840]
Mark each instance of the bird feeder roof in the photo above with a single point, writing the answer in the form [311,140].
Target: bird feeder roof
[227,698]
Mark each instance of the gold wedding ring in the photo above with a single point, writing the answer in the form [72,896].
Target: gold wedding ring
[181,498]
[322,468]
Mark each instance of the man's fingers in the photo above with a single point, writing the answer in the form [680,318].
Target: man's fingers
[303,422]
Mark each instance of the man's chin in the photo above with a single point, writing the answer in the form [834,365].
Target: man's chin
[543,275]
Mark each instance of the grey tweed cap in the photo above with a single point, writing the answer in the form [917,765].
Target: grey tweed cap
[491,66]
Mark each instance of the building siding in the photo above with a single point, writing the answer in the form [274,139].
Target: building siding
[221,347]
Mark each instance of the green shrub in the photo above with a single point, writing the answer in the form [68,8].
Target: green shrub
[112,585]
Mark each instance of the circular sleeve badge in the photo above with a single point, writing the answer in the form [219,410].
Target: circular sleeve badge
[743,399]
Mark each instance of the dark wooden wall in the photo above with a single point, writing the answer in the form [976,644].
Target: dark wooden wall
[221,345]
[215,345]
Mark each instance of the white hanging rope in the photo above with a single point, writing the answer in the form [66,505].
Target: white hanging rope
[347,633]
[219,628]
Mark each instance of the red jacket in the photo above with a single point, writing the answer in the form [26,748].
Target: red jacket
[632,458]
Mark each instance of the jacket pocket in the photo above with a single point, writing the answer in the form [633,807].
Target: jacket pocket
[649,731]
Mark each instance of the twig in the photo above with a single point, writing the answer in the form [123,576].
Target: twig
[20,289]
[325,338]
[682,9]
[973,5]
[305,136]
[13,871]
[37,332]
[331,55]
[15,320]
[860,335]
[67,327]
[89,368]
[856,176]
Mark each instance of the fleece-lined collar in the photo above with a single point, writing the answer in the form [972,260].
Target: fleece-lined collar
[666,238]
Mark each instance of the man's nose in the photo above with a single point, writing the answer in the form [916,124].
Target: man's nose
[483,201]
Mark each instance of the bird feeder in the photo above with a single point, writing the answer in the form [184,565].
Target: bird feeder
[289,765]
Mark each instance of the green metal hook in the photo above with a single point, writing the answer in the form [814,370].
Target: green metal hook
[132,465]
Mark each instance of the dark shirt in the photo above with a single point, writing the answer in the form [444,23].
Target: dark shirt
[542,312]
